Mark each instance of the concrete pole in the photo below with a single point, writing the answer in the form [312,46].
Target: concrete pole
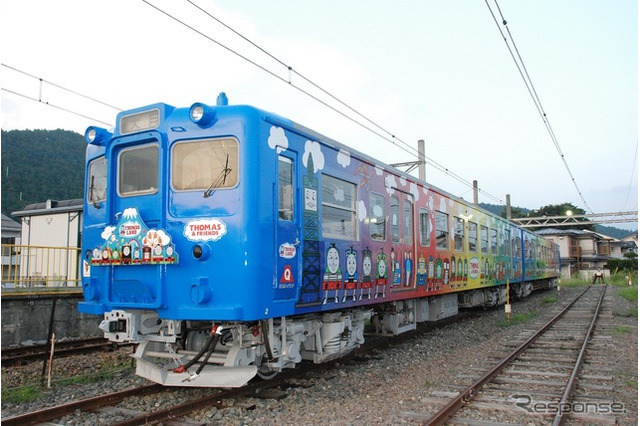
[422,174]
[508,206]
[475,192]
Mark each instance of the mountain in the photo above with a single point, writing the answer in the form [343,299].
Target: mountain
[38,165]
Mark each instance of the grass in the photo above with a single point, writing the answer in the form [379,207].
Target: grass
[629,293]
[32,392]
[22,395]
[573,282]
[621,329]
[550,299]
[518,319]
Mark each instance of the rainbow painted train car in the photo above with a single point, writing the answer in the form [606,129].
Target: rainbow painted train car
[230,242]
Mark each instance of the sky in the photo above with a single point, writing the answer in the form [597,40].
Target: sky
[435,70]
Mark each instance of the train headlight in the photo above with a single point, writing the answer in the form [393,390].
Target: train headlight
[200,252]
[202,114]
[97,135]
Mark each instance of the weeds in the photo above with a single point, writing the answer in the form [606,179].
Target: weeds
[22,395]
[518,319]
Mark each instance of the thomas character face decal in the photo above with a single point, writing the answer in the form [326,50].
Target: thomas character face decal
[366,265]
[333,260]
[382,268]
[351,263]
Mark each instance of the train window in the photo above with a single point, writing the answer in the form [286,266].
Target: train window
[442,230]
[97,187]
[338,209]
[138,170]
[408,222]
[285,188]
[425,228]
[494,241]
[377,217]
[394,209]
[484,239]
[204,165]
[507,243]
[473,236]
[458,233]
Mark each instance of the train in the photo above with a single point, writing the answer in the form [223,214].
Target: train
[229,242]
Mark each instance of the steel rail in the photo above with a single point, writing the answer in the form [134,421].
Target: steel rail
[560,417]
[471,392]
[51,413]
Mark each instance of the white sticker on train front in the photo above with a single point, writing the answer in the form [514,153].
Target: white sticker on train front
[205,229]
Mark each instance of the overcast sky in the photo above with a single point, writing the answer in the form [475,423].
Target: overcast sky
[436,70]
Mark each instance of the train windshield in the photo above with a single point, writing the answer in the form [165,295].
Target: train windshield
[204,165]
[138,170]
[97,181]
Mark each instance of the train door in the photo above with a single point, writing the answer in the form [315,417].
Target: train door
[403,256]
[289,253]
[137,200]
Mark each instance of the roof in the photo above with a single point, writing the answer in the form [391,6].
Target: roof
[579,233]
[50,206]
[574,232]
[10,226]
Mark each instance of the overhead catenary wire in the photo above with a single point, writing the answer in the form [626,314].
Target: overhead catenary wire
[62,87]
[633,170]
[55,106]
[380,132]
[522,69]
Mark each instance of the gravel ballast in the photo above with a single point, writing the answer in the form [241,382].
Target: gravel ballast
[394,387]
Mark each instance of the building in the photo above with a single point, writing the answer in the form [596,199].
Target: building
[10,238]
[582,251]
[50,237]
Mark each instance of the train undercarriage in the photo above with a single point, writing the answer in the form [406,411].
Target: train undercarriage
[206,354]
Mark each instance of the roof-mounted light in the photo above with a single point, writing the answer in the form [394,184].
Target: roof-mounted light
[97,135]
[202,114]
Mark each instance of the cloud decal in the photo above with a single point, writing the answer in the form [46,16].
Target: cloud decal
[108,232]
[313,149]
[344,158]
[390,183]
[277,139]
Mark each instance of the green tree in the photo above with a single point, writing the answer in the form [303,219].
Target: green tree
[564,209]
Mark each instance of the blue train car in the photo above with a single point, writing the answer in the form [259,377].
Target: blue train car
[230,242]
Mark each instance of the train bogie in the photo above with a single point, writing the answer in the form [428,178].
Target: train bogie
[230,242]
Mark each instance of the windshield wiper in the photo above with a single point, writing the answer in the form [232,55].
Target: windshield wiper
[219,181]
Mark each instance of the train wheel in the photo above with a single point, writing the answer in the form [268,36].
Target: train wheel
[266,373]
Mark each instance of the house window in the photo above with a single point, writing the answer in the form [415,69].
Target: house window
[338,208]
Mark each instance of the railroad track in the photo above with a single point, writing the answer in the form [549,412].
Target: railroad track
[544,380]
[118,404]
[24,354]
[193,399]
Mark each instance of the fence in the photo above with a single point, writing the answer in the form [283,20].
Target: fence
[39,266]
